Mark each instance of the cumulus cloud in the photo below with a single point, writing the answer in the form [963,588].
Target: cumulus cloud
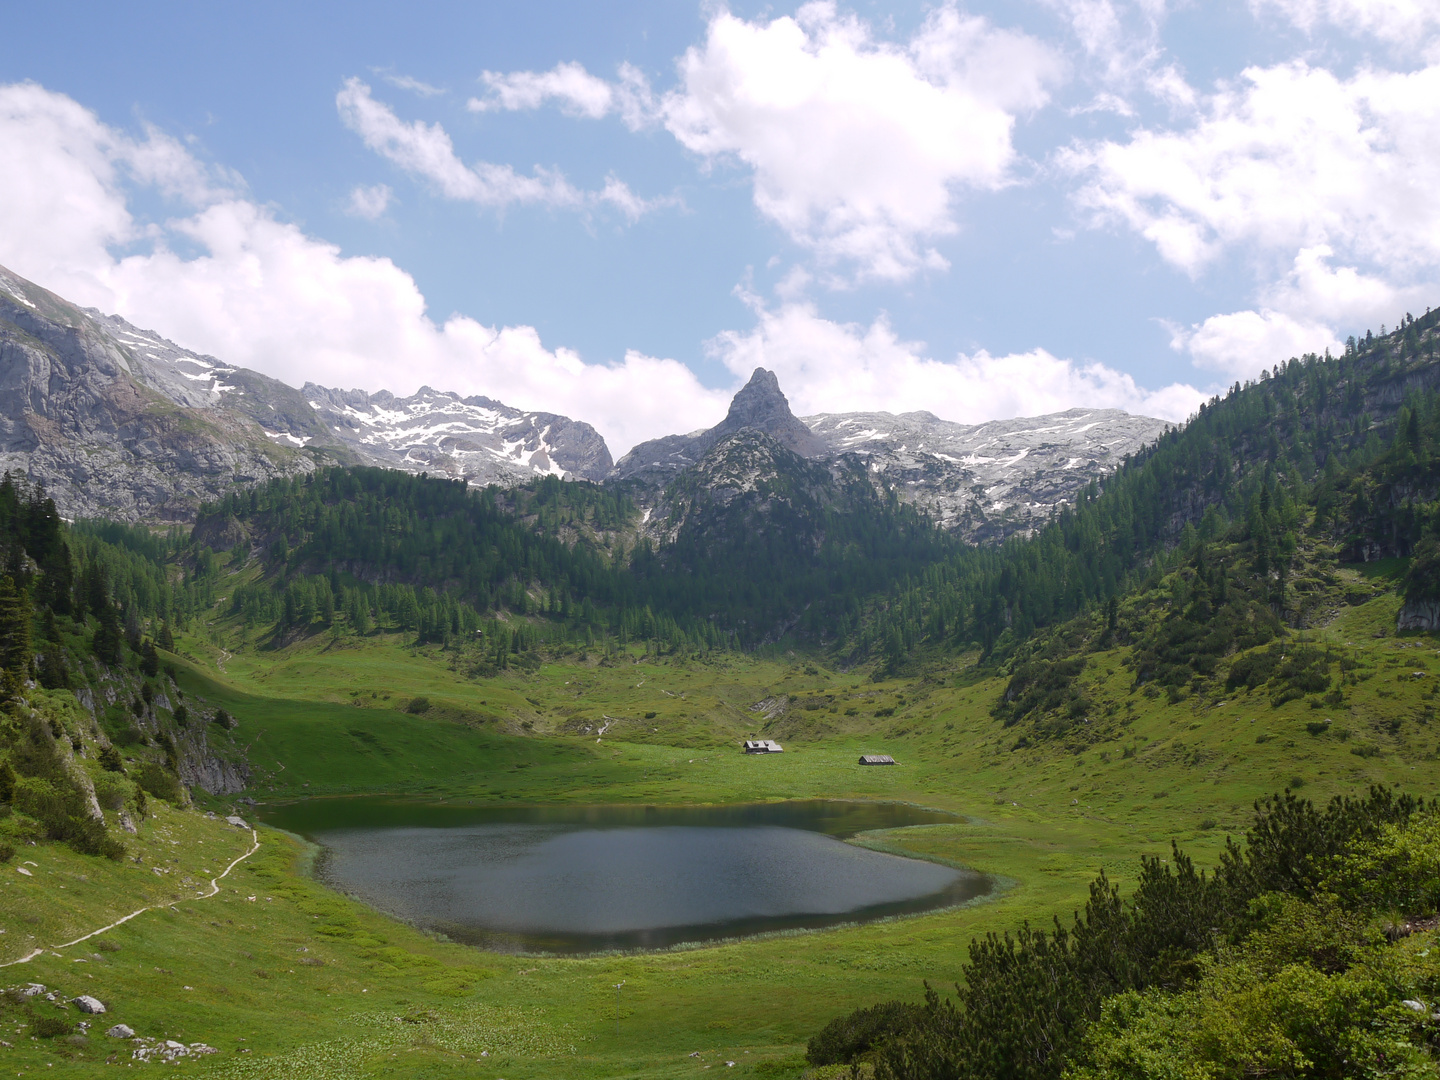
[1290,156]
[225,276]
[426,150]
[827,366]
[1395,21]
[1290,164]
[1302,313]
[369,202]
[857,146]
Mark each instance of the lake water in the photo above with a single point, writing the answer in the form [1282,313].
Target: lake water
[586,878]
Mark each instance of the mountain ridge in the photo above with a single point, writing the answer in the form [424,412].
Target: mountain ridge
[117,421]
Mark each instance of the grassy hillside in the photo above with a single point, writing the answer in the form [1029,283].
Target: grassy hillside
[307,981]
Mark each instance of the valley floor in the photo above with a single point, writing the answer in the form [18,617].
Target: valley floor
[285,978]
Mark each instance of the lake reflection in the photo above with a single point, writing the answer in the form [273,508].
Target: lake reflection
[584,878]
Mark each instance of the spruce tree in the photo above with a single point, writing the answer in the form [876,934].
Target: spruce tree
[15,652]
[107,636]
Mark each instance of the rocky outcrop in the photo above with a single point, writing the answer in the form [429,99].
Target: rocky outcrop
[1419,615]
[481,440]
[993,480]
[88,414]
[982,481]
[759,406]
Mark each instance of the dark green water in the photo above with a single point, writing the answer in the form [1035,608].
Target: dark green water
[586,878]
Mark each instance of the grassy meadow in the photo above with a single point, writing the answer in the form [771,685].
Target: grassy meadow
[285,978]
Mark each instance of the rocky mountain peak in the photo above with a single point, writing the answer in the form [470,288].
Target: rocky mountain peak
[761,406]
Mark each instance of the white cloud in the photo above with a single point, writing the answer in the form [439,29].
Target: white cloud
[1289,157]
[1241,344]
[827,366]
[857,146]
[263,294]
[369,202]
[1300,314]
[427,151]
[578,92]
[1289,165]
[414,85]
[1397,21]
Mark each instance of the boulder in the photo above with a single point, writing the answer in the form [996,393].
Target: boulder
[87,1004]
[121,1031]
[238,822]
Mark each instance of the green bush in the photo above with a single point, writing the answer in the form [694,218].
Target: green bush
[160,782]
[112,790]
[418,705]
[849,1038]
[7,852]
[1397,871]
[50,1026]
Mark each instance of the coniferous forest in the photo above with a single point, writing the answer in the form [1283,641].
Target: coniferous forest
[1204,563]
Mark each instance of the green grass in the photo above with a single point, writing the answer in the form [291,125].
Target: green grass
[1044,819]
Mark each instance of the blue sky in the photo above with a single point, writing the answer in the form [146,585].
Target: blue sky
[616,211]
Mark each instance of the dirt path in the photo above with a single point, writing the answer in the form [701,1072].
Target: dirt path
[214,890]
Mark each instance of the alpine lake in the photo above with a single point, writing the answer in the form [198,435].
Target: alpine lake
[581,879]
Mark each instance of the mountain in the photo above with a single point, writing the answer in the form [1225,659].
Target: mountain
[482,440]
[987,481]
[983,482]
[759,406]
[120,423]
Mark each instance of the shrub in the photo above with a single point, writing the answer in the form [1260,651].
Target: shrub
[50,1026]
[847,1038]
[182,716]
[7,852]
[110,760]
[418,705]
[160,782]
[1398,870]
[649,716]
[223,718]
[111,790]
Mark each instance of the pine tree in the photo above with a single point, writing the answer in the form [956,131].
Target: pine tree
[107,636]
[15,650]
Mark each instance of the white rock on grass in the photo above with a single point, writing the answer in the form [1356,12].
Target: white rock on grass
[169,1050]
[121,1031]
[238,822]
[87,1004]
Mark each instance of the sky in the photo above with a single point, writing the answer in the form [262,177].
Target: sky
[616,212]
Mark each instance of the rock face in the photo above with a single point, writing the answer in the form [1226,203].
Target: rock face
[759,406]
[113,428]
[117,422]
[988,481]
[477,438]
[1419,615]
[983,481]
